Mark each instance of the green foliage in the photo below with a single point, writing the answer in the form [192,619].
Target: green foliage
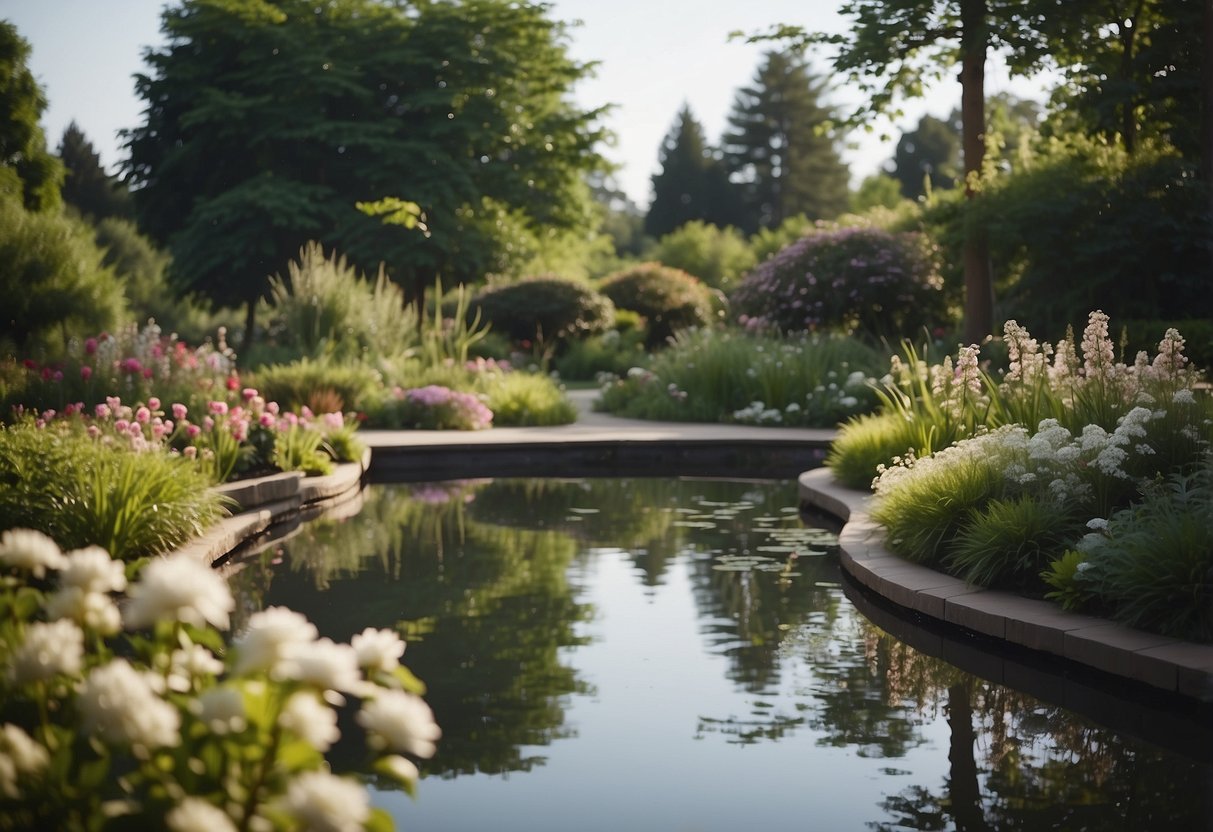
[693,184]
[768,241]
[867,442]
[779,147]
[53,280]
[299,449]
[668,299]
[717,256]
[28,171]
[927,158]
[1009,542]
[82,492]
[852,280]
[615,351]
[545,310]
[1065,576]
[86,186]
[718,376]
[875,191]
[325,309]
[1151,563]
[1085,225]
[309,112]
[449,339]
[323,386]
[526,400]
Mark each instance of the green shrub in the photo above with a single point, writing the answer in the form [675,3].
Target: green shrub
[715,376]
[668,299]
[323,386]
[866,442]
[53,280]
[544,310]
[1152,564]
[850,280]
[717,256]
[612,352]
[325,309]
[82,492]
[526,400]
[1007,543]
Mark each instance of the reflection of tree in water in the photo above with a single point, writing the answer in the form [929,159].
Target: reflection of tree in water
[485,610]
[1016,763]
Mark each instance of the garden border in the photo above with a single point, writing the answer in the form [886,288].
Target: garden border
[1171,664]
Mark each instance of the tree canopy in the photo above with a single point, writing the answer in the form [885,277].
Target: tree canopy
[27,168]
[778,147]
[693,183]
[268,120]
[86,185]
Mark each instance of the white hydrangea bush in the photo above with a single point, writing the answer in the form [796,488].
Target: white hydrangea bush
[122,705]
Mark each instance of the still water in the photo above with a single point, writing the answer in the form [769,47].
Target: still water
[676,654]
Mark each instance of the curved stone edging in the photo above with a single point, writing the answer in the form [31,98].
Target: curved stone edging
[264,501]
[1167,663]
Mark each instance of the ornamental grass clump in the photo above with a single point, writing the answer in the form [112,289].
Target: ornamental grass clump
[121,705]
[525,400]
[82,491]
[721,376]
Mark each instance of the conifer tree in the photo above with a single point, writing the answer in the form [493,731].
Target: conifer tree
[693,183]
[26,166]
[86,185]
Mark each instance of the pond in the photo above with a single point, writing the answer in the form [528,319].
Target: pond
[685,654]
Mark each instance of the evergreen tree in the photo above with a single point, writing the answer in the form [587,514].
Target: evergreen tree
[930,152]
[693,183]
[776,149]
[27,168]
[86,185]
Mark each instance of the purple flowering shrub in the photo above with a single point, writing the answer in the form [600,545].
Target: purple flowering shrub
[434,407]
[851,280]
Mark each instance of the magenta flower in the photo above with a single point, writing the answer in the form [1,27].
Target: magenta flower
[86,372]
[143,415]
[179,411]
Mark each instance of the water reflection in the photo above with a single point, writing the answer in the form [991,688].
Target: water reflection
[617,643]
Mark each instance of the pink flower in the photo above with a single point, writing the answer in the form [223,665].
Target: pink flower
[233,383]
[57,375]
[130,365]
[147,372]
[334,421]
[218,408]
[143,415]
[272,407]
[208,423]
[192,430]
[86,372]
[153,403]
[190,451]
[102,411]
[179,411]
[248,393]
[121,425]
[266,420]
[90,346]
[94,431]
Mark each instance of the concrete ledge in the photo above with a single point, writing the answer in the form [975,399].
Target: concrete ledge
[248,494]
[1158,661]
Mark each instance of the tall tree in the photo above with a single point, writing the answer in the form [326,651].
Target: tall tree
[86,185]
[27,168]
[928,153]
[894,47]
[269,120]
[778,146]
[693,183]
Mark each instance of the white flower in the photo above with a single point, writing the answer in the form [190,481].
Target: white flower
[30,551]
[221,710]
[193,814]
[19,754]
[323,802]
[401,768]
[179,588]
[326,665]
[271,639]
[121,704]
[1109,461]
[189,663]
[378,649]
[400,721]
[93,610]
[1183,396]
[311,720]
[1098,524]
[48,650]
[91,569]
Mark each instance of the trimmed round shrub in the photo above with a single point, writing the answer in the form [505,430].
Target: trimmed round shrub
[544,309]
[668,299]
[851,280]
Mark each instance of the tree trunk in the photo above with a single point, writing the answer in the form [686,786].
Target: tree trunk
[250,324]
[979,283]
[1206,120]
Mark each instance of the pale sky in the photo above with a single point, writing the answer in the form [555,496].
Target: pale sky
[653,54]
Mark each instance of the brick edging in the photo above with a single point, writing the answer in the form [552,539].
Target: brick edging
[1174,665]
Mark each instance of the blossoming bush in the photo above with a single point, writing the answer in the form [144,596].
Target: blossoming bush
[709,376]
[434,407]
[850,280]
[1006,502]
[131,712]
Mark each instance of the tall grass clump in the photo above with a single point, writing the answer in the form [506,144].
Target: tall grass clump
[323,386]
[525,400]
[1009,542]
[83,492]
[721,376]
